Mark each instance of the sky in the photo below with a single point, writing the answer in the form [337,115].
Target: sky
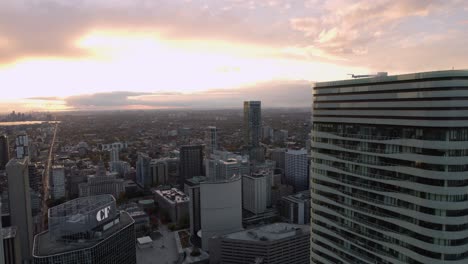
[151,54]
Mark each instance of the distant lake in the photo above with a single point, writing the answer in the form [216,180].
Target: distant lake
[24,123]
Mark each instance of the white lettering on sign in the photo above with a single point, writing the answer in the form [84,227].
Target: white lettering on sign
[103,213]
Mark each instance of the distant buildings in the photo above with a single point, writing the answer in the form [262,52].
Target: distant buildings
[58,182]
[4,151]
[271,244]
[221,208]
[191,163]
[87,230]
[174,201]
[296,172]
[159,172]
[279,156]
[20,204]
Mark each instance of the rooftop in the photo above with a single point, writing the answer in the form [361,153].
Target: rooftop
[172,195]
[395,78]
[46,245]
[195,180]
[270,232]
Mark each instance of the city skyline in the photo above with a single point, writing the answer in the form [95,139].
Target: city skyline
[97,55]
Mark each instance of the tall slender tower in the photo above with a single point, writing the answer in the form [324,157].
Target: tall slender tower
[252,123]
[191,163]
[20,203]
[389,171]
[211,139]
[4,151]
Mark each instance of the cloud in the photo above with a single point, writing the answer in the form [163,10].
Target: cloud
[272,94]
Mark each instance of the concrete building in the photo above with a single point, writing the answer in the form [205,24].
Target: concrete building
[87,230]
[256,191]
[296,171]
[191,163]
[106,184]
[271,244]
[4,151]
[119,146]
[20,204]
[279,156]
[22,146]
[192,189]
[58,182]
[174,201]
[143,171]
[295,209]
[389,169]
[221,208]
[114,155]
[159,171]
[11,246]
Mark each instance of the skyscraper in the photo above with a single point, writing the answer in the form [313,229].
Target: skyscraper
[4,151]
[87,230]
[191,163]
[256,191]
[20,203]
[389,169]
[211,139]
[252,123]
[58,182]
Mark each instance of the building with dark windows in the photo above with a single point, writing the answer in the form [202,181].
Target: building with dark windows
[87,230]
[271,244]
[211,138]
[4,151]
[20,203]
[11,246]
[252,123]
[143,177]
[389,166]
[191,163]
[296,169]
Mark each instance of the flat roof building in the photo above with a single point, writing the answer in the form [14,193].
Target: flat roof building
[271,244]
[87,230]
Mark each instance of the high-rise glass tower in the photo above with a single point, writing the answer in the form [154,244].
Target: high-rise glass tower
[211,138]
[252,123]
[390,169]
[191,163]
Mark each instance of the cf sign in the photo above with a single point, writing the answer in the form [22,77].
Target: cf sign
[103,213]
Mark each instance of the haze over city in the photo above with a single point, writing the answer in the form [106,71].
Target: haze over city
[126,54]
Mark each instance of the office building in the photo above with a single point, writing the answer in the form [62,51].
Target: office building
[295,209]
[174,201]
[20,204]
[11,246]
[104,184]
[211,139]
[192,190]
[256,191]
[252,123]
[143,171]
[221,208]
[119,146]
[277,243]
[278,155]
[87,230]
[4,151]
[159,171]
[22,146]
[191,163]
[389,169]
[114,155]
[58,182]
[296,169]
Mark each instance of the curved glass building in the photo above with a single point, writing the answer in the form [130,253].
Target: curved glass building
[389,176]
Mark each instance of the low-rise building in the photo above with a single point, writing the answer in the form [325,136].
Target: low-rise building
[295,209]
[174,201]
